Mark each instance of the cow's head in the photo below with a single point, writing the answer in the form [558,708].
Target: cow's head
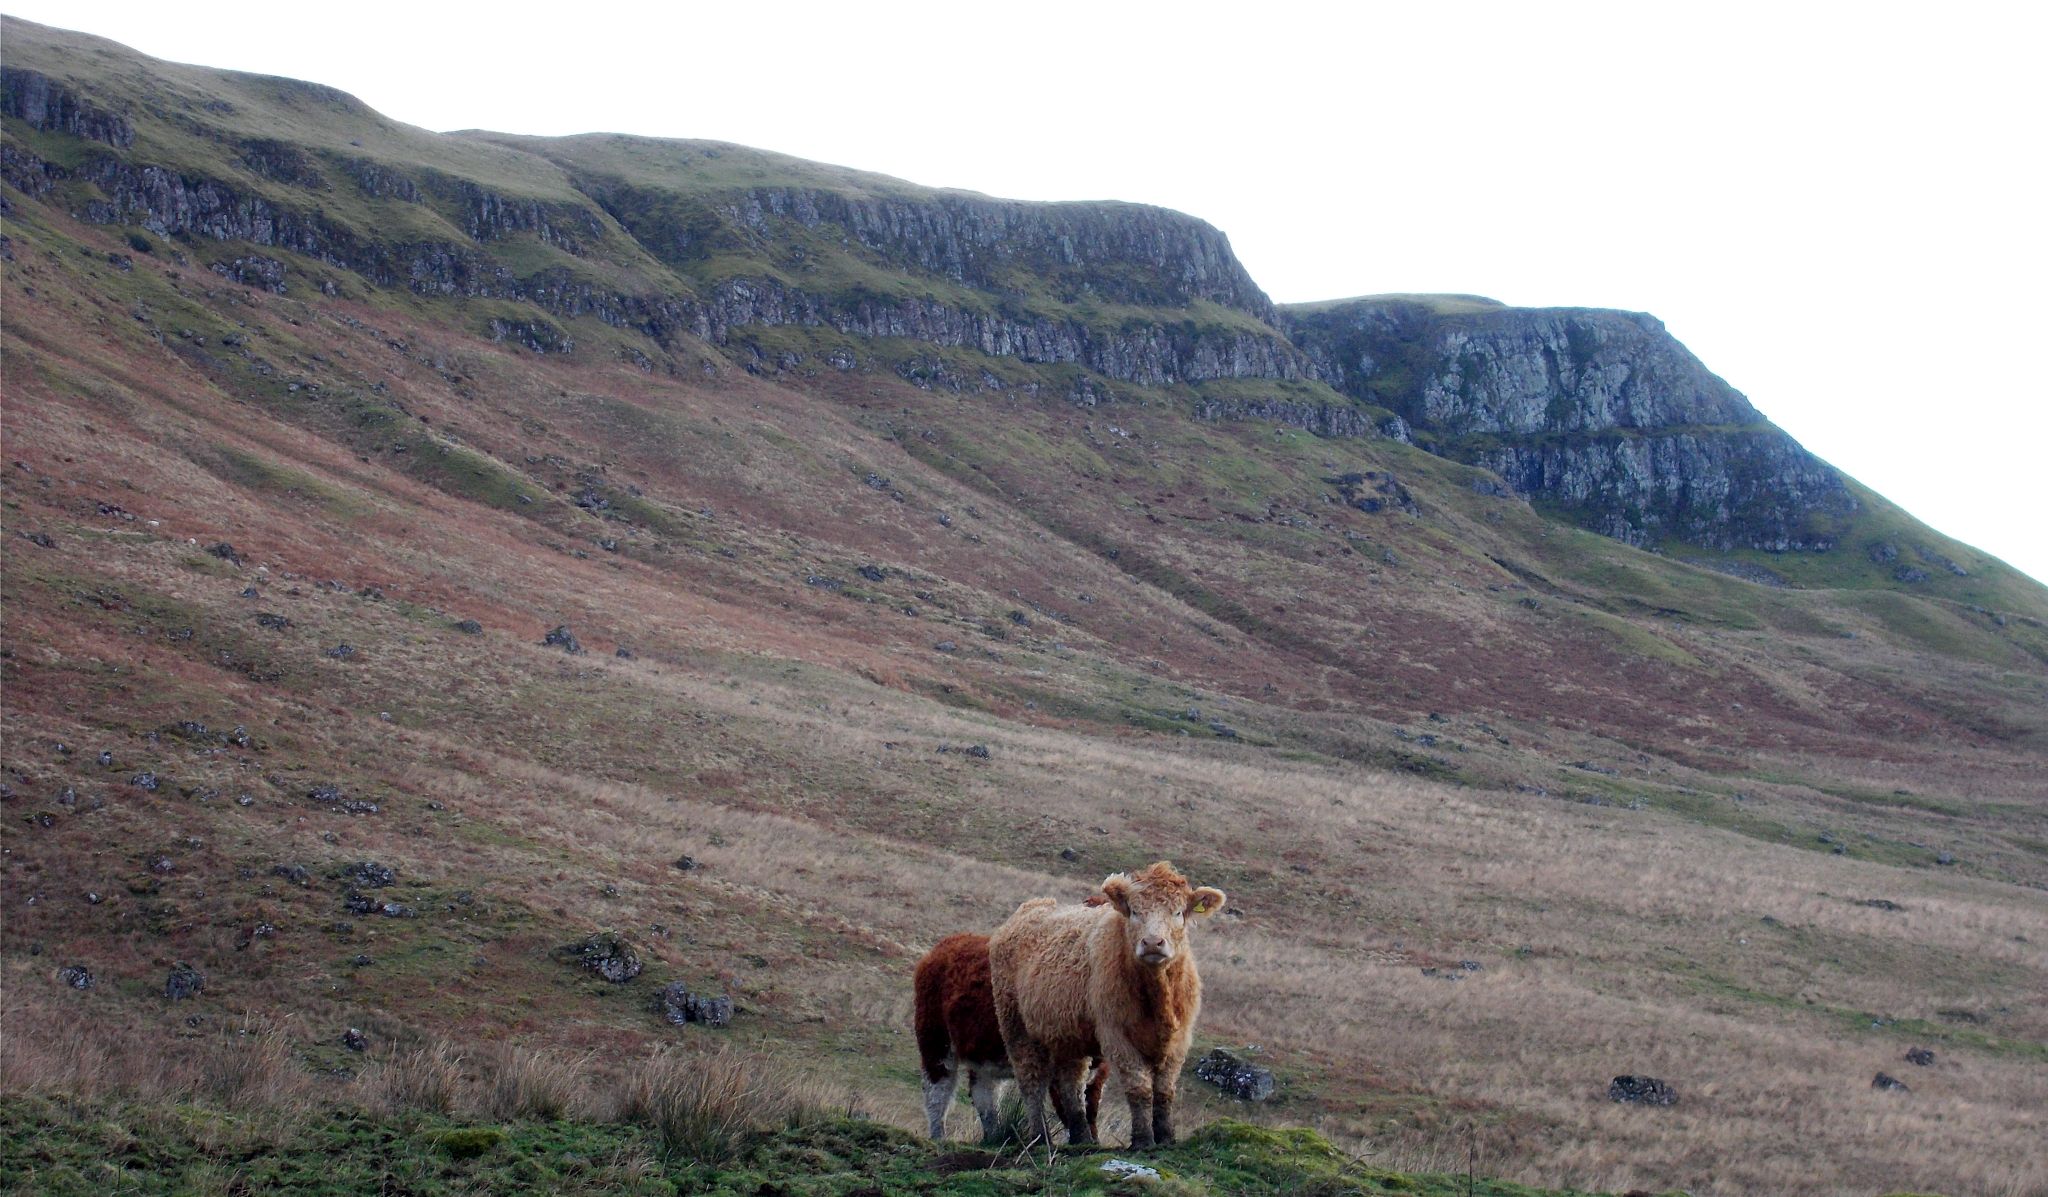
[1156,905]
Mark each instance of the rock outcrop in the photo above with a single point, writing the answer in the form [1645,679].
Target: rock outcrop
[1603,414]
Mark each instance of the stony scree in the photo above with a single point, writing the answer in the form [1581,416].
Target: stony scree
[1235,1075]
[367,874]
[1641,1090]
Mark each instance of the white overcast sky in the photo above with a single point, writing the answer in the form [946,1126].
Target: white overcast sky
[1838,207]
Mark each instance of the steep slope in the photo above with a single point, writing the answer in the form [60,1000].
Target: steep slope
[259,411]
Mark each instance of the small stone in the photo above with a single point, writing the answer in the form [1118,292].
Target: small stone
[145,780]
[106,760]
[1069,855]
[272,620]
[77,976]
[361,961]
[1885,1080]
[355,1041]
[978,752]
[397,910]
[688,863]
[1642,1090]
[945,646]
[469,627]
[561,637]
[297,874]
[226,552]
[1921,1056]
[342,652]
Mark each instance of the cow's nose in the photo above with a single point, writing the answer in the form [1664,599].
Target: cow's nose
[1152,943]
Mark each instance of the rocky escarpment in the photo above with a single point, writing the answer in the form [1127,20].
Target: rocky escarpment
[1113,252]
[49,107]
[1139,262]
[1602,414]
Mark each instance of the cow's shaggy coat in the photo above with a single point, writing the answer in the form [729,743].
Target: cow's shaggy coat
[957,1033]
[1118,978]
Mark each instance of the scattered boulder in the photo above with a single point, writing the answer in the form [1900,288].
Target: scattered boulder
[469,627]
[1924,1057]
[297,874]
[561,637]
[688,863]
[342,652]
[272,620]
[1642,1090]
[1069,855]
[677,1006]
[368,874]
[183,982]
[1235,1075]
[1877,903]
[1885,1080]
[77,976]
[945,646]
[226,552]
[355,1041]
[145,780]
[358,903]
[605,954]
[397,910]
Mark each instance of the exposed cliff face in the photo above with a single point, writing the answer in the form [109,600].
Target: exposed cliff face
[50,107]
[1120,253]
[1601,413]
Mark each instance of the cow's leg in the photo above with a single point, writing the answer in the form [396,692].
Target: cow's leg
[1135,1073]
[1165,1089]
[986,1088]
[1030,1063]
[1066,1101]
[938,1094]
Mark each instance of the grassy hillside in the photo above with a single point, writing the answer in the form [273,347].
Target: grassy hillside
[1758,840]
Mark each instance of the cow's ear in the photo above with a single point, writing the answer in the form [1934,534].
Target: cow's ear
[1206,900]
[1117,888]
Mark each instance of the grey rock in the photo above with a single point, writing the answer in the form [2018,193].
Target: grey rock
[606,954]
[297,874]
[678,1006]
[77,976]
[561,637]
[469,627]
[1235,1075]
[1923,1057]
[354,1040]
[1885,1080]
[184,982]
[368,874]
[1641,1090]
